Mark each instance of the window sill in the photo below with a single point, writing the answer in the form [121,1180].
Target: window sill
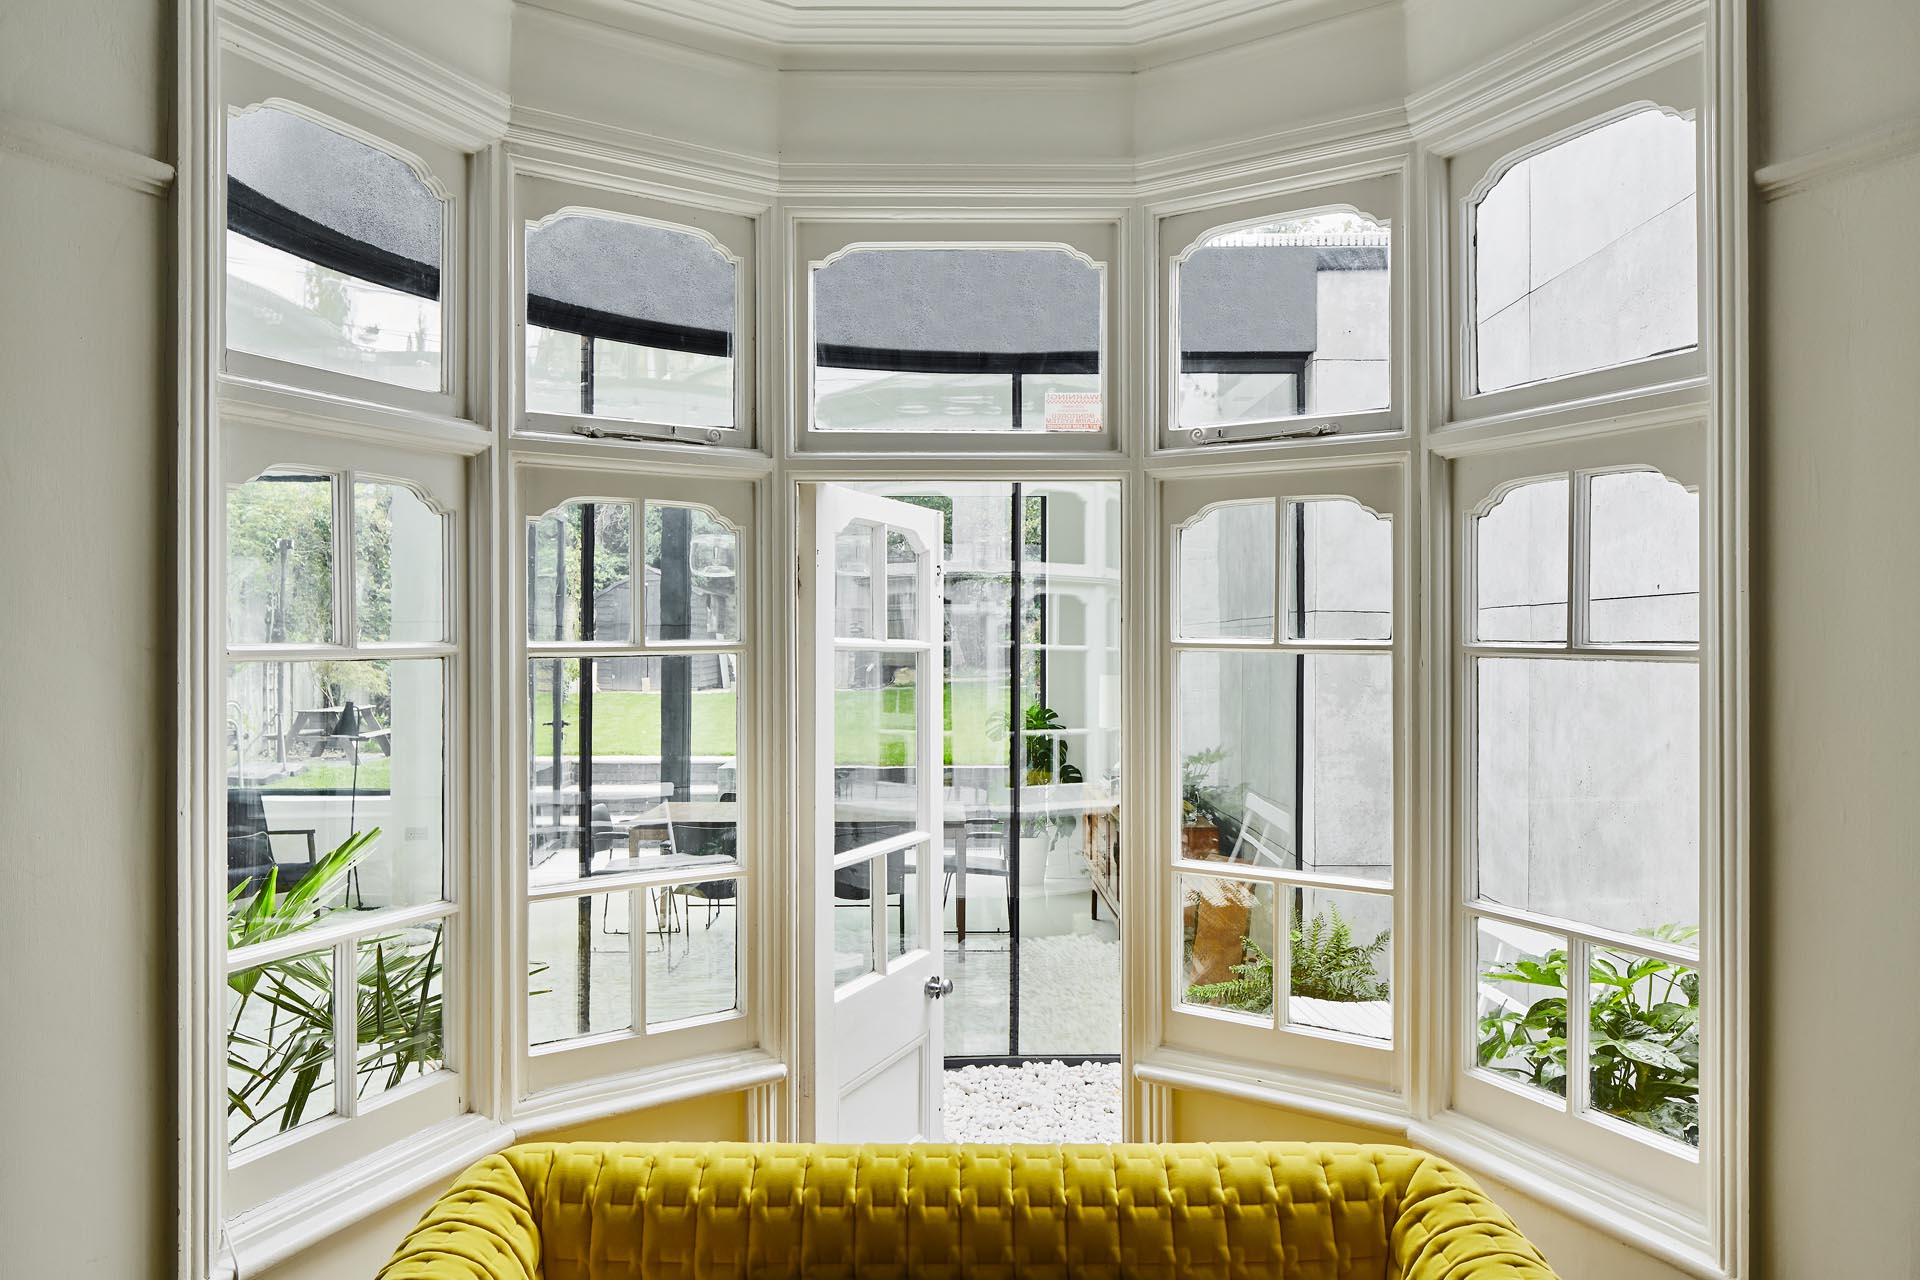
[268,1234]
[631,1091]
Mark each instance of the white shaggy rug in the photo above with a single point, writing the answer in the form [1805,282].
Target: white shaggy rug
[1038,1102]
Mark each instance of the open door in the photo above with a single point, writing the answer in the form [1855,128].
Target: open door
[873,839]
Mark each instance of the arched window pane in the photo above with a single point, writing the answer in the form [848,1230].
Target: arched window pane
[1225,575]
[1521,566]
[1643,558]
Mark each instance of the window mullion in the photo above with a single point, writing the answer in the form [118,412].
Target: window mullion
[1578,1030]
[346,603]
[346,1028]
[1579,554]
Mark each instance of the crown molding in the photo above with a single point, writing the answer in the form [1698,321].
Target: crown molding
[1357,138]
[552,140]
[1602,46]
[22,136]
[333,51]
[1849,155]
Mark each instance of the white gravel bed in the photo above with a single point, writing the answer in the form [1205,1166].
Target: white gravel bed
[1038,1102]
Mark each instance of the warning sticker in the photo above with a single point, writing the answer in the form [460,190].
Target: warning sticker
[1073,411]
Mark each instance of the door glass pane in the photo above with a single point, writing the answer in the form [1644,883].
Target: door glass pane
[1644,1043]
[903,588]
[693,950]
[1226,573]
[280,560]
[876,747]
[647,760]
[1522,1005]
[1339,572]
[1289,317]
[853,921]
[580,966]
[400,1007]
[1587,786]
[1287,760]
[854,585]
[580,573]
[279,1047]
[1521,565]
[1643,560]
[904,869]
[318,752]
[693,576]
[1584,254]
[958,339]
[399,569]
[629,320]
[1226,947]
[333,252]
[1340,957]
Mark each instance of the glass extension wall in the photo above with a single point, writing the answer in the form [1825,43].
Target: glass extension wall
[1030,889]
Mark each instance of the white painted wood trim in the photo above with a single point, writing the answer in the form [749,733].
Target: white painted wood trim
[320,45]
[41,140]
[657,1087]
[1840,159]
[1311,1093]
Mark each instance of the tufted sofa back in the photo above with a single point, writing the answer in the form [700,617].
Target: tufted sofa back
[1285,1211]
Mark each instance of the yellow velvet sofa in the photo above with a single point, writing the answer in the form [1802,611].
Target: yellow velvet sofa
[1284,1210]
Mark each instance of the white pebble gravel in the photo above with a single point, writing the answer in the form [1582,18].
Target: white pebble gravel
[1038,1102]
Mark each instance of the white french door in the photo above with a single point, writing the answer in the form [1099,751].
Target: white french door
[872,839]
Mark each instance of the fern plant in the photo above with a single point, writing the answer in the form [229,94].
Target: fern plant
[1327,964]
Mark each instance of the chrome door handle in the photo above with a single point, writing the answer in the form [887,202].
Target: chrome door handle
[938,986]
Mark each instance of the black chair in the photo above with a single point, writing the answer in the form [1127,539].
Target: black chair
[250,843]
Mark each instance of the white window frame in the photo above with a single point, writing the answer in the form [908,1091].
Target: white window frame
[815,238]
[1674,89]
[1179,231]
[732,229]
[441,168]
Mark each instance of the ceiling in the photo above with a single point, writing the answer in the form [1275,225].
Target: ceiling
[1131,33]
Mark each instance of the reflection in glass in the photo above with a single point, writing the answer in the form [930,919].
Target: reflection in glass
[854,585]
[1286,318]
[903,588]
[1522,1006]
[579,967]
[693,576]
[957,339]
[562,563]
[399,570]
[1644,1041]
[692,950]
[317,751]
[1520,565]
[876,747]
[1287,760]
[1226,945]
[279,1047]
[1587,789]
[904,869]
[629,320]
[332,252]
[1340,962]
[1226,573]
[1339,571]
[1584,254]
[280,560]
[400,1003]
[853,921]
[1643,572]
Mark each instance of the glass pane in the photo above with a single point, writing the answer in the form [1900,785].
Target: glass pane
[904,869]
[693,950]
[1584,253]
[647,764]
[1286,318]
[903,588]
[1340,576]
[399,565]
[1226,945]
[1340,953]
[560,547]
[333,252]
[399,1002]
[279,1047]
[876,748]
[972,339]
[280,560]
[629,320]
[580,966]
[318,752]
[853,582]
[853,922]
[1226,573]
[1522,1005]
[1643,570]
[1644,1042]
[1587,789]
[1287,760]
[1521,565]
[693,576]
